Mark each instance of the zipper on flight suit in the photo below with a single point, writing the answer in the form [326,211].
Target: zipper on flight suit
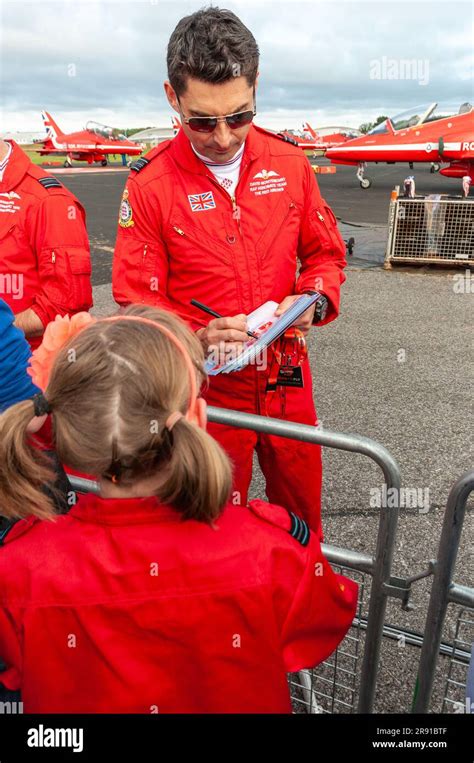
[233,201]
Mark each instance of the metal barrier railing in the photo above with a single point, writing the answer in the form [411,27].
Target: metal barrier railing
[443,592]
[338,672]
[430,230]
[377,565]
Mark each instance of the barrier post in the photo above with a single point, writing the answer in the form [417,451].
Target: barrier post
[443,589]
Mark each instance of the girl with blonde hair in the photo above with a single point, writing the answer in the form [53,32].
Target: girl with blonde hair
[159,593]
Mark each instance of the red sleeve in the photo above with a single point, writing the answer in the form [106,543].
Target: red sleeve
[140,266]
[321,608]
[10,651]
[321,249]
[59,238]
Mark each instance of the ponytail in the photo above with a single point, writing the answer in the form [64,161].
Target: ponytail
[24,469]
[200,477]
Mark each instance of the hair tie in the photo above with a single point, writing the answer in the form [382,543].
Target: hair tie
[41,405]
[172,419]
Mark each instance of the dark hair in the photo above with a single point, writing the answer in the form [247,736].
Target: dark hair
[211,45]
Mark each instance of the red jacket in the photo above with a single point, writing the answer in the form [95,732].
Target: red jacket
[43,243]
[181,236]
[121,606]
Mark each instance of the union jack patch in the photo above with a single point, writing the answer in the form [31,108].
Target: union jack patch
[201,201]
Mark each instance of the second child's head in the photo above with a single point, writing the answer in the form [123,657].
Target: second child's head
[116,392]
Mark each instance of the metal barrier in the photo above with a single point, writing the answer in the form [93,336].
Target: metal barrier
[433,229]
[333,684]
[443,592]
[378,565]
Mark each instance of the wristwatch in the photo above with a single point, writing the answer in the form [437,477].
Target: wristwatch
[321,307]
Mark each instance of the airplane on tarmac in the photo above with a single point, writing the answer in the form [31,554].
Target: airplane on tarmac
[92,144]
[309,140]
[431,133]
[312,140]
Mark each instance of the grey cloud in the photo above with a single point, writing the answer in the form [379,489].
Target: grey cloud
[314,55]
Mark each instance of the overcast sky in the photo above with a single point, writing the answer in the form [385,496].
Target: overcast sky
[317,59]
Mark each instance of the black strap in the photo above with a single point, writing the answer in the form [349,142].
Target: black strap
[50,182]
[287,138]
[140,164]
[299,529]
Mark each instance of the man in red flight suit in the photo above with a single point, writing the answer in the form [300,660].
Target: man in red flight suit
[45,262]
[221,214]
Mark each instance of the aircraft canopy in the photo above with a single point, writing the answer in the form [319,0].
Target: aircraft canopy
[419,115]
[104,131]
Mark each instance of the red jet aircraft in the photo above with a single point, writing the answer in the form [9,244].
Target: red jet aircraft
[311,140]
[425,134]
[91,145]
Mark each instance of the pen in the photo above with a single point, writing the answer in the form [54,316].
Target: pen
[212,312]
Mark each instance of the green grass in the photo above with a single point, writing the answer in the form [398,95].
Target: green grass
[52,160]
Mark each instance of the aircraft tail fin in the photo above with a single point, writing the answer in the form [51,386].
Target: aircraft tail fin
[309,129]
[176,125]
[52,130]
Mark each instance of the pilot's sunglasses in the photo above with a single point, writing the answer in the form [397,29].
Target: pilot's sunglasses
[209,124]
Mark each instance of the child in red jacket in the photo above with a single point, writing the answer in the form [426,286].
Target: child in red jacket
[159,593]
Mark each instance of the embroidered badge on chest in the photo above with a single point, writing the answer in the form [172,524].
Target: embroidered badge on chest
[7,202]
[267,181]
[126,213]
[201,201]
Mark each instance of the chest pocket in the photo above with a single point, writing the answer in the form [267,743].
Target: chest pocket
[12,238]
[16,256]
[196,243]
[283,226]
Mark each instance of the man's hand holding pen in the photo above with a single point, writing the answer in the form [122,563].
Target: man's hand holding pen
[227,334]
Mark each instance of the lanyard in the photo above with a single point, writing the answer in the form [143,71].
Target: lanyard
[289,353]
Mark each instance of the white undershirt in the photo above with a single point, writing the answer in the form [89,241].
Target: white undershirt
[4,161]
[227,173]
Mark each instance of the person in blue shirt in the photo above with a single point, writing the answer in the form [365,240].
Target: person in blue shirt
[15,382]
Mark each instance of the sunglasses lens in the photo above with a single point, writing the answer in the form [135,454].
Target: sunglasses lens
[240,120]
[202,124]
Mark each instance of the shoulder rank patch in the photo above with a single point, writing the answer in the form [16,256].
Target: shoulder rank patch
[140,164]
[288,138]
[299,530]
[126,213]
[282,518]
[50,182]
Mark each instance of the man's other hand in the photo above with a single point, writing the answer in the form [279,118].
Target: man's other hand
[305,321]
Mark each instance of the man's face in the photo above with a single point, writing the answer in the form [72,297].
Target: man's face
[202,99]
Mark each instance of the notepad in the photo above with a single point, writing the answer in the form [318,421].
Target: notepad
[268,327]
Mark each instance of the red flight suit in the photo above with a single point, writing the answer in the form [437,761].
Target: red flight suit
[44,250]
[181,236]
[120,606]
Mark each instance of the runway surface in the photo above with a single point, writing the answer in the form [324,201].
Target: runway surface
[100,193]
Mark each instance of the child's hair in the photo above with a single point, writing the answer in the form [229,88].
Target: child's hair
[111,390]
